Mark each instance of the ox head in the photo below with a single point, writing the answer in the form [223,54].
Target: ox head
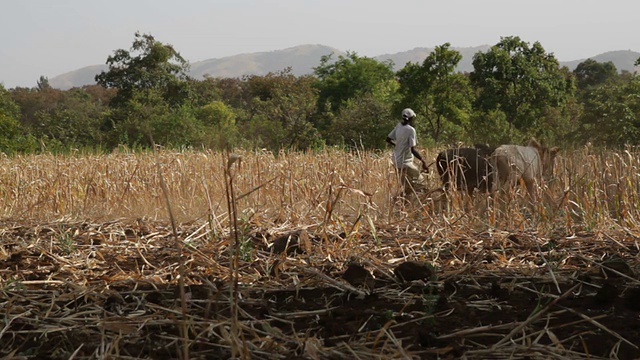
[484,150]
[547,157]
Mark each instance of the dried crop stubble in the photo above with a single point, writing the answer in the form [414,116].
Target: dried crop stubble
[86,237]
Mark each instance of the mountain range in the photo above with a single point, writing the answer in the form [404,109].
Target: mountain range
[302,59]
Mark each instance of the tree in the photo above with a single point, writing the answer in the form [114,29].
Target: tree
[74,122]
[594,81]
[349,77]
[43,84]
[63,118]
[177,127]
[281,110]
[99,94]
[150,65]
[522,81]
[33,101]
[147,119]
[590,72]
[219,122]
[152,89]
[231,91]
[13,138]
[364,121]
[441,96]
[611,114]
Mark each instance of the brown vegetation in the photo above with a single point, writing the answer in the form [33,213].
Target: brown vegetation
[312,266]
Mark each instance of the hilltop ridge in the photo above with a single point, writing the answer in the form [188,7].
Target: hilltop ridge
[303,58]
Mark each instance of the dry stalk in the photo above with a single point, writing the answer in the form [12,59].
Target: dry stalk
[553,276]
[535,316]
[178,245]
[237,346]
[75,262]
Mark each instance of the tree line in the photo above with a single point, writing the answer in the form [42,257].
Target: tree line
[145,98]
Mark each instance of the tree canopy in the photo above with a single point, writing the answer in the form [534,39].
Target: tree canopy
[516,90]
[149,65]
[441,95]
[522,81]
[349,77]
[590,72]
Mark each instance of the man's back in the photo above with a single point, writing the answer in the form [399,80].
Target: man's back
[404,137]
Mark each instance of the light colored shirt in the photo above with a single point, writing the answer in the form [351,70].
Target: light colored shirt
[404,137]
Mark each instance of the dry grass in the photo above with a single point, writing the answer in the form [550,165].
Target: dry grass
[593,190]
[87,247]
[127,185]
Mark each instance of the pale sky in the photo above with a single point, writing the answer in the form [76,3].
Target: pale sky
[52,37]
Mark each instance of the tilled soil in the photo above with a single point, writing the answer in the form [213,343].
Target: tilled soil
[111,291]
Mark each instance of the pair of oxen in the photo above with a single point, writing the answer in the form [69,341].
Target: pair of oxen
[489,169]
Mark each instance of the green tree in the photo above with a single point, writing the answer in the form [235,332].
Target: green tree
[494,128]
[177,127]
[347,78]
[219,123]
[231,91]
[34,101]
[364,121]
[13,138]
[147,117]
[442,97]
[74,122]
[590,72]
[63,118]
[282,105]
[152,87]
[150,65]
[99,94]
[611,114]
[522,81]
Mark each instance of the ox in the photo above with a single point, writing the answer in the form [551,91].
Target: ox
[469,168]
[531,163]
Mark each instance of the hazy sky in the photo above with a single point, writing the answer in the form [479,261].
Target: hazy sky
[52,37]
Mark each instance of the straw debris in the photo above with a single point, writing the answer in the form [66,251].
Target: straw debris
[91,265]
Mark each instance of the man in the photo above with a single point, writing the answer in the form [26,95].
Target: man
[403,138]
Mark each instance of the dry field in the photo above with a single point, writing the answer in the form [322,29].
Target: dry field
[135,255]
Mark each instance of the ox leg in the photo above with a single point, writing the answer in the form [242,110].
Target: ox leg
[506,177]
[531,188]
[502,174]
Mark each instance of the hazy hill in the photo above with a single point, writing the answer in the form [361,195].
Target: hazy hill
[622,59]
[418,55]
[302,59]
[77,78]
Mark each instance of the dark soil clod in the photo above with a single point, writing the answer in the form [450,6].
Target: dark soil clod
[358,276]
[413,270]
[288,243]
[607,294]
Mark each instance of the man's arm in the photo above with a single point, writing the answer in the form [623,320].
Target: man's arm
[390,141]
[415,153]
